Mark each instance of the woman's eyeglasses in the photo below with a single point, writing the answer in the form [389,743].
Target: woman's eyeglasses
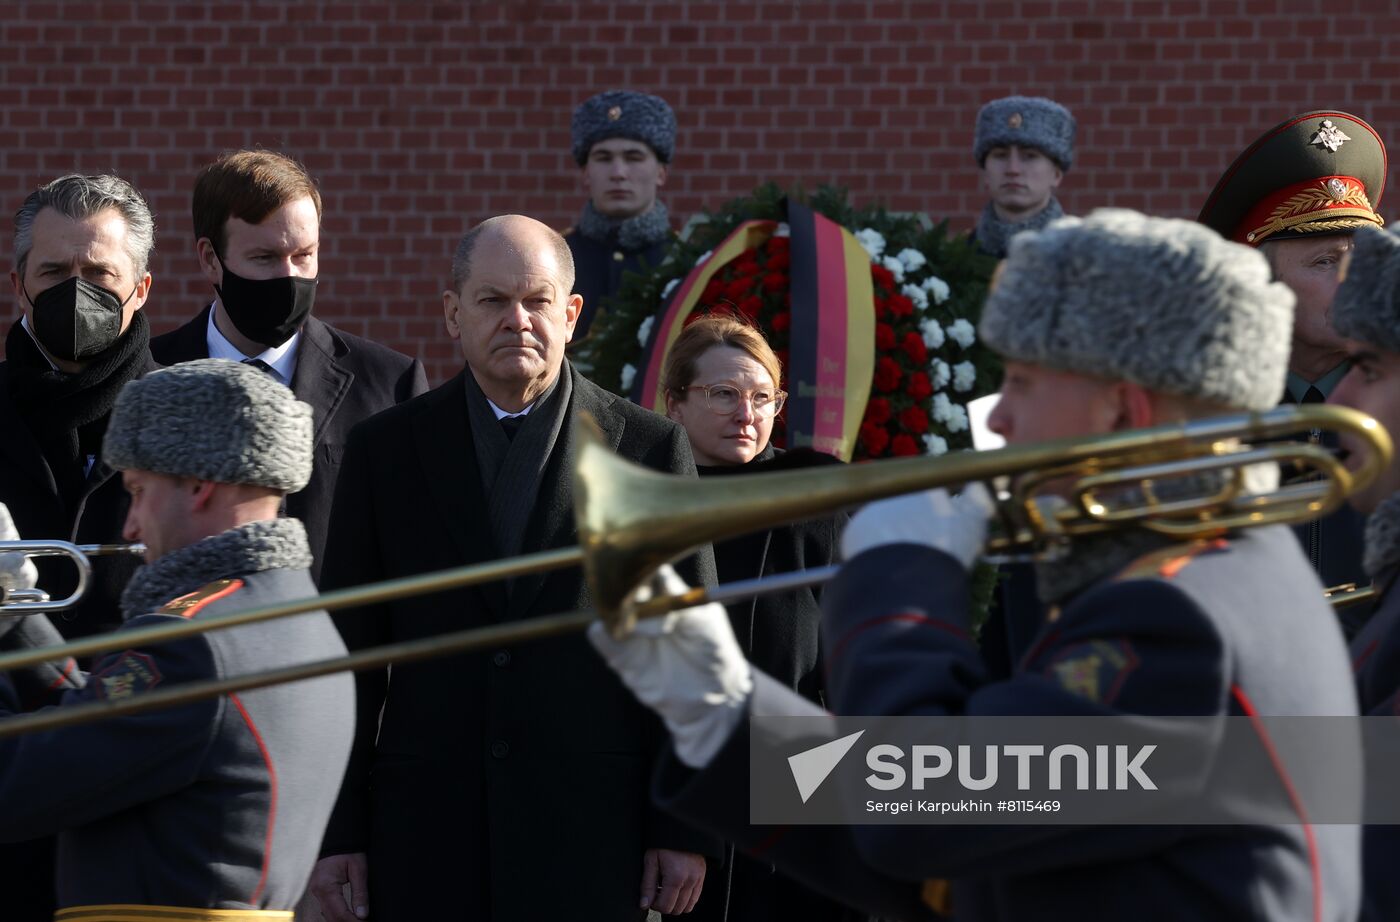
[724,399]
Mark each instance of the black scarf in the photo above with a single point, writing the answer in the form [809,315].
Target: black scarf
[994,235]
[512,470]
[67,413]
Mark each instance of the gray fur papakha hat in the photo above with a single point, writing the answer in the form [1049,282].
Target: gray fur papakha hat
[1367,306]
[1026,121]
[1164,303]
[624,114]
[212,419]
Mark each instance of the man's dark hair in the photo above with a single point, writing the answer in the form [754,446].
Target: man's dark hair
[248,185]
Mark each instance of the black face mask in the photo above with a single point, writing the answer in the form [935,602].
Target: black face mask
[267,311]
[76,319]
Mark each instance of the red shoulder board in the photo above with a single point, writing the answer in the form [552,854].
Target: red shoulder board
[187,606]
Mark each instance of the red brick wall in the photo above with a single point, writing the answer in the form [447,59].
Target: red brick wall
[420,118]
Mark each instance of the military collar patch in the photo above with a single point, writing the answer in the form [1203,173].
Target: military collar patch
[128,674]
[1329,136]
[1095,670]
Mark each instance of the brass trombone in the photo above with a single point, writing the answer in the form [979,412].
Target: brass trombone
[631,520]
[1348,594]
[36,601]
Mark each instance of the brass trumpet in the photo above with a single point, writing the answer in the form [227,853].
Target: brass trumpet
[37,601]
[631,520]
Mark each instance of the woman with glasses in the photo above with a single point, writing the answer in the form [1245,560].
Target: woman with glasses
[722,385]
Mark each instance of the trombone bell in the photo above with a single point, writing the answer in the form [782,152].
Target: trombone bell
[632,519]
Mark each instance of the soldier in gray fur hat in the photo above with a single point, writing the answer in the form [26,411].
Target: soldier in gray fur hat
[1024,146]
[219,804]
[1366,311]
[1114,322]
[622,142]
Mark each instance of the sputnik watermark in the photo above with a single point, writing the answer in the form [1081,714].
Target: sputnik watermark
[1027,770]
[1114,767]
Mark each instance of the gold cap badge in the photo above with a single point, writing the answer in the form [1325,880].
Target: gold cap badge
[614,113]
[1014,120]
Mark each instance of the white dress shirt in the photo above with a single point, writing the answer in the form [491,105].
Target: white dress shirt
[282,359]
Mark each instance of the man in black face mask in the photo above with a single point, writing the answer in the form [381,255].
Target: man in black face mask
[81,249]
[257,227]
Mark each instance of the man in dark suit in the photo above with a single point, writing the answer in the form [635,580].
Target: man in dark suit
[510,783]
[257,227]
[82,246]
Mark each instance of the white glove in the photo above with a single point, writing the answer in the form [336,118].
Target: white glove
[956,525]
[686,666]
[16,570]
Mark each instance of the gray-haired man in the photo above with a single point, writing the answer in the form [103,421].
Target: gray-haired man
[81,249]
[219,804]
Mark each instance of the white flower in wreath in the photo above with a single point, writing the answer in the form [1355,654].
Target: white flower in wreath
[957,418]
[644,331]
[784,230]
[935,444]
[912,259]
[916,294]
[933,333]
[937,289]
[948,413]
[896,268]
[940,374]
[670,287]
[873,241]
[964,376]
[704,256]
[629,372]
[963,333]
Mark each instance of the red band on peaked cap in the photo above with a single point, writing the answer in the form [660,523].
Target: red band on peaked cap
[1265,168]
